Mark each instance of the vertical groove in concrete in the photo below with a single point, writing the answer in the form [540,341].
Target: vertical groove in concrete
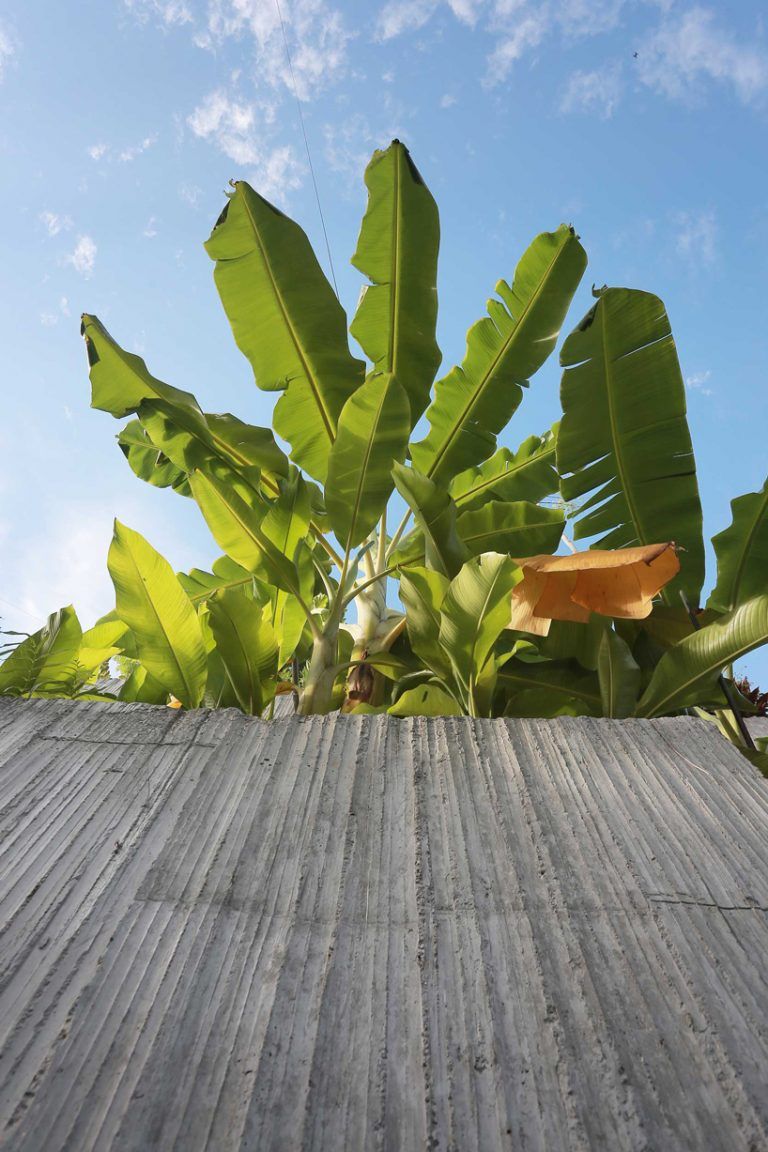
[365,933]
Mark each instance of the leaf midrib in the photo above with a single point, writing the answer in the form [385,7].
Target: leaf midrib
[518,324]
[163,629]
[314,387]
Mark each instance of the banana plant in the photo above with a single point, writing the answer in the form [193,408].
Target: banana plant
[382,477]
[308,535]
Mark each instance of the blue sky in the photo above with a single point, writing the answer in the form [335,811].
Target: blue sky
[122,121]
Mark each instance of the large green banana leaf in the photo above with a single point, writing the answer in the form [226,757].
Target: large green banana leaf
[552,688]
[286,524]
[156,608]
[193,440]
[246,643]
[372,435]
[225,574]
[686,675]
[742,553]
[120,380]
[475,401]
[287,322]
[515,527]
[435,514]
[473,615]
[527,474]
[397,250]
[619,676]
[148,462]
[568,640]
[425,700]
[46,663]
[422,591]
[624,438]
[237,527]
[141,688]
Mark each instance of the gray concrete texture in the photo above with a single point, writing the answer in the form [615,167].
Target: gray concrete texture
[364,933]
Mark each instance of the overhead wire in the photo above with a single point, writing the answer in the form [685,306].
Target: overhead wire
[306,145]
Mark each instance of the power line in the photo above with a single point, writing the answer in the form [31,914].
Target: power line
[306,146]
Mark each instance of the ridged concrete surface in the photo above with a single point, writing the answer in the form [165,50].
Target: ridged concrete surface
[361,933]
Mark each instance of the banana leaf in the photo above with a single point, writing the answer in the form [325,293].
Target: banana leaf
[549,689]
[237,526]
[246,643]
[156,608]
[515,527]
[397,250]
[46,663]
[372,435]
[148,462]
[527,474]
[435,514]
[686,675]
[425,700]
[619,676]
[742,553]
[475,401]
[624,441]
[286,321]
[422,591]
[473,615]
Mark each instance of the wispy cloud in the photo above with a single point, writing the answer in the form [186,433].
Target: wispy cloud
[514,41]
[83,259]
[696,236]
[684,50]
[163,12]
[54,222]
[190,194]
[126,155]
[150,228]
[316,33]
[401,16]
[243,132]
[698,382]
[7,50]
[689,49]
[596,93]
[49,319]
[123,155]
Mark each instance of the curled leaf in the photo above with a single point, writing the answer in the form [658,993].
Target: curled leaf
[618,583]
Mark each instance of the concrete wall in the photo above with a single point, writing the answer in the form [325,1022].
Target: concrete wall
[361,933]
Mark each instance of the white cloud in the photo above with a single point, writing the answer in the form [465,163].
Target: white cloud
[597,92]
[523,34]
[696,236]
[164,12]
[697,382]
[404,16]
[123,155]
[130,153]
[7,50]
[190,194]
[242,131]
[83,259]
[54,223]
[689,48]
[316,33]
[49,319]
[150,231]
[447,101]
